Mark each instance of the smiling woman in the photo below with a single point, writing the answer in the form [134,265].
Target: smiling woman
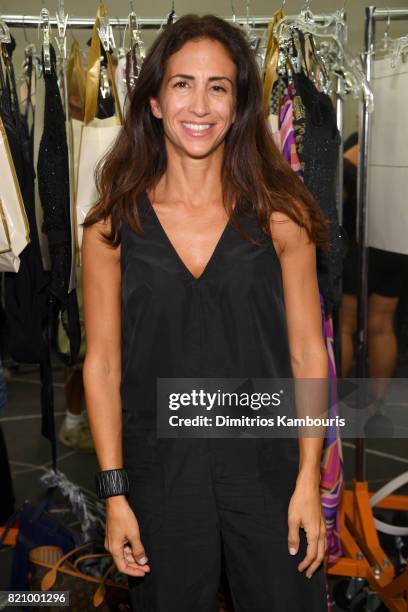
[199,261]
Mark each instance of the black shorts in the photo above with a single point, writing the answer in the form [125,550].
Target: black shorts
[387,272]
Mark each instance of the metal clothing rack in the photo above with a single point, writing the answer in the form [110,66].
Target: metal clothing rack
[154,23]
[258,22]
[372,15]
[364,557]
[146,23]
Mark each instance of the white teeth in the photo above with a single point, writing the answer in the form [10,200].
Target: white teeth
[197,127]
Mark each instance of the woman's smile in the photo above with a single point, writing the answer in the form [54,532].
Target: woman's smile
[197,130]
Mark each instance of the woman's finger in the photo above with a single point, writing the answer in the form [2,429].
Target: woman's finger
[293,536]
[312,548]
[127,568]
[321,548]
[138,551]
[127,550]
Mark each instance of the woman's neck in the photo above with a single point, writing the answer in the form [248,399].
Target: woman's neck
[191,181]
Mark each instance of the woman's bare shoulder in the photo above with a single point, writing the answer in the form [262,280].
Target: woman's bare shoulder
[285,232]
[93,242]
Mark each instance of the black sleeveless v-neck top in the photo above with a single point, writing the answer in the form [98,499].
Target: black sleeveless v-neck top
[228,323]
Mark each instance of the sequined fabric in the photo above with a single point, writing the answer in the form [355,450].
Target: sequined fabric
[53,183]
[318,149]
[53,186]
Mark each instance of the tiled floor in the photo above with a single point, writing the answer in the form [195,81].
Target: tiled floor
[29,452]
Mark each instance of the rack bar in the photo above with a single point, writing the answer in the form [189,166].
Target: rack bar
[394,14]
[146,23]
[372,15]
[85,23]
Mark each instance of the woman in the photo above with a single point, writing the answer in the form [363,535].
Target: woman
[203,291]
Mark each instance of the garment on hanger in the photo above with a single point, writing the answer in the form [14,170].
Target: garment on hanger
[319,151]
[54,190]
[25,292]
[387,217]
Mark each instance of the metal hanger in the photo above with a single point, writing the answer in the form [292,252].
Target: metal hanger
[386,33]
[234,17]
[172,17]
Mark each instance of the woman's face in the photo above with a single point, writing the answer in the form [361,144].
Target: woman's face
[197,98]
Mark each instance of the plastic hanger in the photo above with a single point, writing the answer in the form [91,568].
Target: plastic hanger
[400,45]
[105,33]
[44,24]
[253,37]
[392,47]
[62,21]
[332,26]
[4,32]
[136,47]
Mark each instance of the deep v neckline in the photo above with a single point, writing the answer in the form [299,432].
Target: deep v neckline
[172,248]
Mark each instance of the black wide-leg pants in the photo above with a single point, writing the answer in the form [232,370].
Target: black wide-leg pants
[207,494]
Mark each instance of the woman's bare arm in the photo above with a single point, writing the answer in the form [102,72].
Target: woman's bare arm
[303,314]
[309,361]
[102,375]
[102,366]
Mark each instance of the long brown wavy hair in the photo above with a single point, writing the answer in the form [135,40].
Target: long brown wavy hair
[254,173]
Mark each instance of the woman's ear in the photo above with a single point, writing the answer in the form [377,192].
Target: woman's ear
[155,108]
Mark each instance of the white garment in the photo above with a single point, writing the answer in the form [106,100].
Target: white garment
[387,210]
[120,79]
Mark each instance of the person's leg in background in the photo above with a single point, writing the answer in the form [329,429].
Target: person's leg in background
[348,323]
[389,273]
[382,341]
[74,431]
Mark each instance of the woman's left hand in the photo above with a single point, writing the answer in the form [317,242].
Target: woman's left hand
[305,510]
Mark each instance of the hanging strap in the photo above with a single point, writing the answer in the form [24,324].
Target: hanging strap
[93,73]
[271,61]
[76,73]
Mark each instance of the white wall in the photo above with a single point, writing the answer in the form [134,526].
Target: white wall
[160,8]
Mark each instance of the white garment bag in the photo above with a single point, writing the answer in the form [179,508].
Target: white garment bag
[387,214]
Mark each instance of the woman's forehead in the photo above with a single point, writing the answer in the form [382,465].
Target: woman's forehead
[201,54]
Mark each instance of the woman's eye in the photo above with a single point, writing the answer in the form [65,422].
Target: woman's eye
[219,88]
[181,84]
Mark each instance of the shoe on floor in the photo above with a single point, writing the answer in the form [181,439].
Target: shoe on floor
[78,437]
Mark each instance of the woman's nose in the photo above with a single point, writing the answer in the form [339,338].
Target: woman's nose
[199,103]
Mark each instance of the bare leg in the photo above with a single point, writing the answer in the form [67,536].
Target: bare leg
[74,390]
[382,342]
[74,431]
[348,323]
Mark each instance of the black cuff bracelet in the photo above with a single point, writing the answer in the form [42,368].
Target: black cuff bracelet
[110,483]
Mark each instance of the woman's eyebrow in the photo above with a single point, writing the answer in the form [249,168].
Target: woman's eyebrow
[191,77]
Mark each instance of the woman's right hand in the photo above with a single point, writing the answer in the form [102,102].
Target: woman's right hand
[122,538]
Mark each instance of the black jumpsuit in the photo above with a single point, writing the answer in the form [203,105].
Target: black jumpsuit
[193,496]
